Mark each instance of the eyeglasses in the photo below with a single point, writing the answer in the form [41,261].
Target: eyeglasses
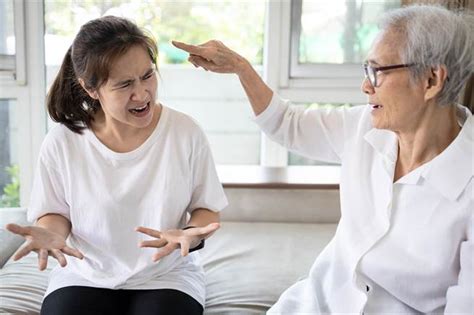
[371,72]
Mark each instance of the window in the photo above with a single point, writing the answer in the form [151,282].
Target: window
[216,101]
[12,42]
[12,77]
[9,169]
[7,37]
[326,35]
[9,182]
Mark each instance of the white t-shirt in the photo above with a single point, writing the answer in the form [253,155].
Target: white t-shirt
[106,195]
[411,242]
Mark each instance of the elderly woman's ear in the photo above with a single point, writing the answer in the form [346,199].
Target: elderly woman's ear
[435,81]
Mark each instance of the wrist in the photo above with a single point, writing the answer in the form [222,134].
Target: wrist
[244,69]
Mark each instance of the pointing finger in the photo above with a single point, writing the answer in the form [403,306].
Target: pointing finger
[193,49]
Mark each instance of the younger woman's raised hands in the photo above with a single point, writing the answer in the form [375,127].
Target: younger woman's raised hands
[43,242]
[169,240]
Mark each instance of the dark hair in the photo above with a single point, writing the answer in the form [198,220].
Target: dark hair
[97,45]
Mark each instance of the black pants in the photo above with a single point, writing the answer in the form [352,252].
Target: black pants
[78,300]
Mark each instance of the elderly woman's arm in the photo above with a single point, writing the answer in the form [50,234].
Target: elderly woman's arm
[216,57]
[460,297]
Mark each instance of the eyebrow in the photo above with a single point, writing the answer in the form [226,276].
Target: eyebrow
[120,83]
[372,61]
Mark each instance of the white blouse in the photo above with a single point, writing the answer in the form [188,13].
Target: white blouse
[403,247]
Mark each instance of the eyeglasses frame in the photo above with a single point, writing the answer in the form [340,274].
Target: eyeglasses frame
[383,68]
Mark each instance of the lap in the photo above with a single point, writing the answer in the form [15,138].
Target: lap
[94,301]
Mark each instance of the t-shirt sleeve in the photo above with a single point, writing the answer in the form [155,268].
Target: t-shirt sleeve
[47,195]
[207,191]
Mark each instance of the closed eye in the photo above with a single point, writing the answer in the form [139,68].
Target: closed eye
[148,75]
[123,85]
[127,84]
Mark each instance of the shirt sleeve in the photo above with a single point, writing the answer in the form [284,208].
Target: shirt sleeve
[460,297]
[207,191]
[318,134]
[47,195]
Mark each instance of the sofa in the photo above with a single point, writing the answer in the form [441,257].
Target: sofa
[268,240]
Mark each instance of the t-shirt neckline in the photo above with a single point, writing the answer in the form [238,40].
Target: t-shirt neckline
[107,152]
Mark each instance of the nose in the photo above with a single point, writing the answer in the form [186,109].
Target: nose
[140,92]
[367,87]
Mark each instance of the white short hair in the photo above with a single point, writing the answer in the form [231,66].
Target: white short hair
[435,36]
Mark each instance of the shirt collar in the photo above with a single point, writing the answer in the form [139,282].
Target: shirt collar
[450,171]
[384,141]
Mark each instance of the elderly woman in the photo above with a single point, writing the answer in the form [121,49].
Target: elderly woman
[405,240]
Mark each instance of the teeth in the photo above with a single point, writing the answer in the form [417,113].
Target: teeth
[141,108]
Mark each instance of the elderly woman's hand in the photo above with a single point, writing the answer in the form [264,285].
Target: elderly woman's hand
[169,240]
[214,56]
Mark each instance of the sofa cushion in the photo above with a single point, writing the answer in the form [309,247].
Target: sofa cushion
[22,285]
[282,205]
[248,265]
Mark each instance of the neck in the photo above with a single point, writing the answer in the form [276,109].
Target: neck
[119,137]
[434,132]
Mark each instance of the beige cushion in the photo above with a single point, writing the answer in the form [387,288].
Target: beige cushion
[248,266]
[282,205]
[22,285]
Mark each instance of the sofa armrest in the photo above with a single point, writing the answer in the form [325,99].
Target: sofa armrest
[10,242]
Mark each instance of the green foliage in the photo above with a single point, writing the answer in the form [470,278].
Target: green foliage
[239,24]
[11,191]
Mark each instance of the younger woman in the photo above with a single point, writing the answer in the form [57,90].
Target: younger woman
[120,176]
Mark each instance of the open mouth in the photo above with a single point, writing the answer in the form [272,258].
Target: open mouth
[375,106]
[140,111]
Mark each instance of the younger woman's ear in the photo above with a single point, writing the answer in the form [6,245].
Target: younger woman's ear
[435,82]
[92,94]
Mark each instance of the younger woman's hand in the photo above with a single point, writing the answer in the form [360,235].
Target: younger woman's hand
[169,240]
[43,242]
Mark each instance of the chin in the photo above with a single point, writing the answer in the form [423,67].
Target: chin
[379,124]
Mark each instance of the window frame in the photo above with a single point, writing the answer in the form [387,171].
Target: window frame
[26,85]
[14,66]
[313,70]
[336,84]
